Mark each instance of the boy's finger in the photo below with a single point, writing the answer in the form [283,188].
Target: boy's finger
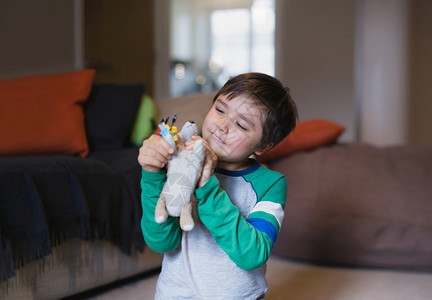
[167,147]
[151,164]
[196,137]
[189,145]
[156,151]
[160,141]
[158,144]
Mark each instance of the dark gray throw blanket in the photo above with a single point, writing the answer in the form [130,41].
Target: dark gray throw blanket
[46,200]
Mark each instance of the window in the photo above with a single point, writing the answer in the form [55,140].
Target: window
[236,39]
[243,40]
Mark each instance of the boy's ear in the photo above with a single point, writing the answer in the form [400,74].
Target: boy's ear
[263,149]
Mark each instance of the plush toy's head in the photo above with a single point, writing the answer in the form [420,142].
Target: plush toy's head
[170,134]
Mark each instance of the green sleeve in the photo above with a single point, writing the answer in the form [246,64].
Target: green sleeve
[247,247]
[163,237]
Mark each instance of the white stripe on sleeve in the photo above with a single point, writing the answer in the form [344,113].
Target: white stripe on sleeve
[272,208]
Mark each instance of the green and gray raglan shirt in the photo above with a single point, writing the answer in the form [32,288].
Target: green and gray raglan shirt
[223,257]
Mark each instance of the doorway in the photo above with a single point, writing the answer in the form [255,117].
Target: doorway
[211,41]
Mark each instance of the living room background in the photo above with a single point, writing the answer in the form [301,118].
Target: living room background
[360,63]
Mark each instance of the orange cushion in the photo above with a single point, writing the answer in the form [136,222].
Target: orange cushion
[44,114]
[307,135]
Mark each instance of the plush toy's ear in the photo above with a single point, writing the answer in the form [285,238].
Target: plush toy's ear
[189,129]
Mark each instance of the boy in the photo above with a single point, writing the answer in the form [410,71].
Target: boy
[239,204]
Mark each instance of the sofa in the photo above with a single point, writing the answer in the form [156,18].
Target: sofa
[348,204]
[69,185]
[358,205]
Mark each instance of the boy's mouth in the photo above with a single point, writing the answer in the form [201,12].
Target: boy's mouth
[217,138]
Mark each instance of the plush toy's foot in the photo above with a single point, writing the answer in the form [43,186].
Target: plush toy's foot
[160,219]
[188,227]
[186,221]
[161,214]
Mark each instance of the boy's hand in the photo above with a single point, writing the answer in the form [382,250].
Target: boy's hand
[154,153]
[210,160]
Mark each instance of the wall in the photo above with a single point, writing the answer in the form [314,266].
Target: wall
[119,41]
[315,58]
[40,37]
[420,95]
[383,66]
[366,64]
[48,36]
[162,49]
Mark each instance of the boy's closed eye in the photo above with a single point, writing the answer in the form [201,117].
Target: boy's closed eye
[239,125]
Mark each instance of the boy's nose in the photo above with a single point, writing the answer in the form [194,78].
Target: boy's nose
[222,125]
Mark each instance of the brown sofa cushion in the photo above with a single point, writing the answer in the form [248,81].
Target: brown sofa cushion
[358,205]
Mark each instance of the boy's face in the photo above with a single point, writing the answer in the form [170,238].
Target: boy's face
[233,128]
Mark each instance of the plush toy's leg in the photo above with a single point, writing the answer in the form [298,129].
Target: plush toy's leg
[161,214]
[186,221]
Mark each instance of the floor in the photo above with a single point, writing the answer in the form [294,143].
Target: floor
[298,281]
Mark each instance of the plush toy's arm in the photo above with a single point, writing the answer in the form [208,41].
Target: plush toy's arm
[246,243]
[163,237]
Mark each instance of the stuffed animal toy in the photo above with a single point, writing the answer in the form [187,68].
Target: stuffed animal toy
[183,171]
